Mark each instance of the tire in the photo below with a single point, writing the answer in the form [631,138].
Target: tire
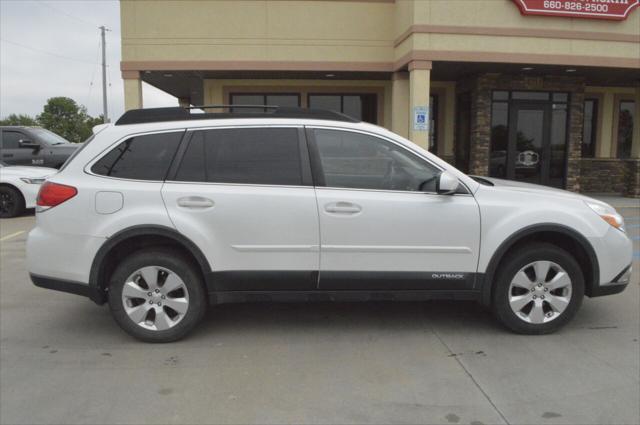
[11,202]
[132,307]
[528,304]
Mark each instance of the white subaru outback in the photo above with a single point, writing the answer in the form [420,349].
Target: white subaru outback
[167,212]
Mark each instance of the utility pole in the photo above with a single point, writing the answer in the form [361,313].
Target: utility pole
[105,113]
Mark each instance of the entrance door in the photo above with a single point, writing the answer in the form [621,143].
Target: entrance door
[527,158]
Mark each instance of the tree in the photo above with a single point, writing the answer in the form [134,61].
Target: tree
[19,119]
[66,118]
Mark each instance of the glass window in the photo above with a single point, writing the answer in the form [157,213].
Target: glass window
[499,139]
[625,128]
[146,157]
[359,106]
[530,95]
[500,95]
[49,136]
[558,145]
[589,128]
[561,97]
[359,161]
[433,124]
[275,99]
[243,155]
[10,139]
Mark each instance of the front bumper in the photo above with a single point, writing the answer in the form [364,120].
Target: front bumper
[617,285]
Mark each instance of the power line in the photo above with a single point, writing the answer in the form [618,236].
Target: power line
[69,15]
[84,21]
[47,52]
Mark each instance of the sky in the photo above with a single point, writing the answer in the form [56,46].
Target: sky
[51,48]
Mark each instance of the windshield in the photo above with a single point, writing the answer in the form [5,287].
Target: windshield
[2,164]
[49,137]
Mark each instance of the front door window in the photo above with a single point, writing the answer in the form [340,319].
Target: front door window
[529,137]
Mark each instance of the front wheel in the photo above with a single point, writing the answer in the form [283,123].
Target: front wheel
[539,289]
[157,295]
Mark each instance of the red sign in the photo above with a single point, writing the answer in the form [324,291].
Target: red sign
[590,9]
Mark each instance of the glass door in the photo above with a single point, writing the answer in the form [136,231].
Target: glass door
[528,141]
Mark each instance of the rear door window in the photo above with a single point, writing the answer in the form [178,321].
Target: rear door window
[11,139]
[269,156]
[146,157]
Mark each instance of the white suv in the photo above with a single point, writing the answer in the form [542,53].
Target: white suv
[166,212]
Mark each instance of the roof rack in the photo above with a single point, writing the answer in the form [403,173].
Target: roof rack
[178,113]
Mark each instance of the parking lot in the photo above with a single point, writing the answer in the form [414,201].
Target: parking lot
[63,360]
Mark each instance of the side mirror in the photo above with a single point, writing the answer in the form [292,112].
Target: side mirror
[28,144]
[447,183]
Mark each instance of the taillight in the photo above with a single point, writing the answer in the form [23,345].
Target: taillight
[52,194]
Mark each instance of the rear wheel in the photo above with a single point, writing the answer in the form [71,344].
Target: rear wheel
[539,289]
[157,296]
[11,202]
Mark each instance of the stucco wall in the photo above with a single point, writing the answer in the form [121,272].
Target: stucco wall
[371,32]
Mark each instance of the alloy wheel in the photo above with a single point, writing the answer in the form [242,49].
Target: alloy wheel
[540,292]
[155,298]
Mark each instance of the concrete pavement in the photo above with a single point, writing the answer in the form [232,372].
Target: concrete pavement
[64,360]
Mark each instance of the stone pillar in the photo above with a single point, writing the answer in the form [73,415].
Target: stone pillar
[132,90]
[400,104]
[635,143]
[633,165]
[574,140]
[419,87]
[480,137]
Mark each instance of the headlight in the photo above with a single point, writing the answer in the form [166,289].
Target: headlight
[38,180]
[608,214]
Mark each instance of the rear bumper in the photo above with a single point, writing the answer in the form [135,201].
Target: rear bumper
[617,285]
[68,286]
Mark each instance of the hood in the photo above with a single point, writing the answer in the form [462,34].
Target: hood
[522,187]
[26,171]
[66,147]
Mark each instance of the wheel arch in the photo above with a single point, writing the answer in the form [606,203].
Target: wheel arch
[134,238]
[556,234]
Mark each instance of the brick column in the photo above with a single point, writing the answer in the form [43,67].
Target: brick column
[132,90]
[419,86]
[574,141]
[480,138]
[635,143]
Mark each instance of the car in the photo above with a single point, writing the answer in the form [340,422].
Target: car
[21,145]
[167,212]
[19,187]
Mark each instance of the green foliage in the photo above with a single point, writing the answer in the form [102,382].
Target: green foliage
[66,118]
[61,115]
[19,119]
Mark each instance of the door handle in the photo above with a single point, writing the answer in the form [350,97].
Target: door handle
[342,208]
[195,202]
[7,155]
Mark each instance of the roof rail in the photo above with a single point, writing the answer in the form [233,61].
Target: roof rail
[178,113]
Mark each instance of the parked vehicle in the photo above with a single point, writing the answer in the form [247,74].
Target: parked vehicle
[34,146]
[167,212]
[19,187]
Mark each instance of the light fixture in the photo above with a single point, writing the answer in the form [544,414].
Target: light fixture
[571,70]
[527,68]
[167,75]
[330,75]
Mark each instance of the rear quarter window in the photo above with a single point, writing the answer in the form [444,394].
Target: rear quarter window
[145,157]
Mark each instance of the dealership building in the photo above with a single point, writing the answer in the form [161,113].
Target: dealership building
[542,91]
